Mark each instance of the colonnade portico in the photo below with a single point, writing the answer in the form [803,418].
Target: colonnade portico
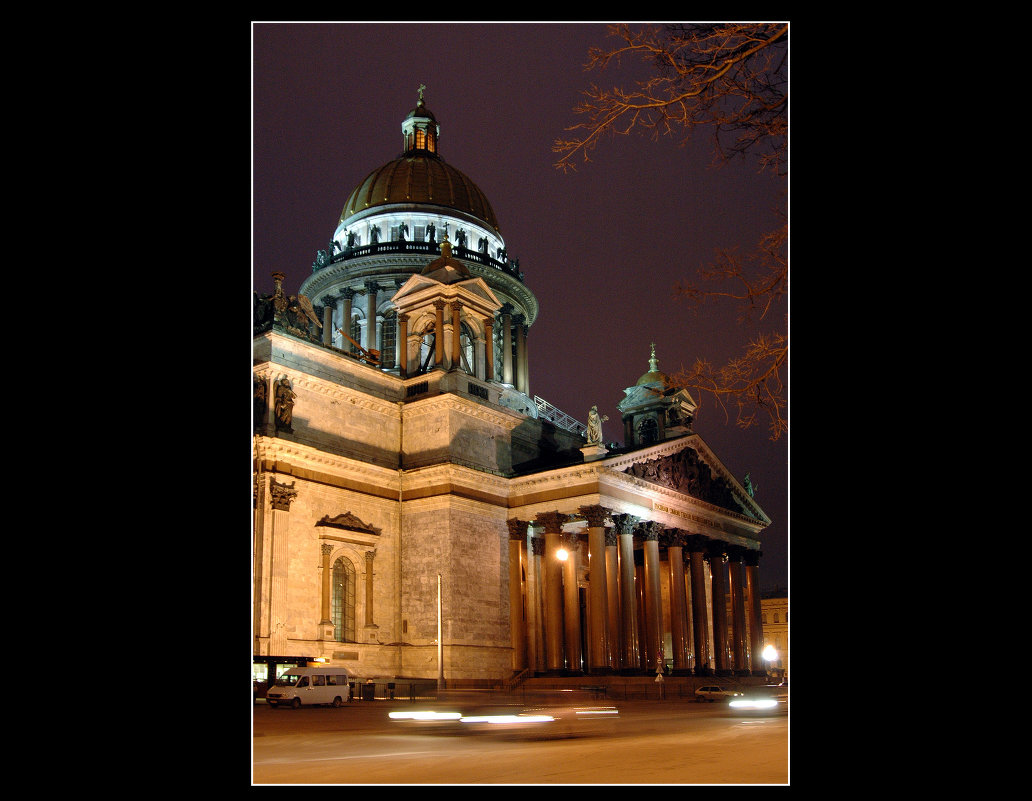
[630,596]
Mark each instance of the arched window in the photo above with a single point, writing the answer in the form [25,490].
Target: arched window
[466,349]
[427,350]
[343,600]
[389,340]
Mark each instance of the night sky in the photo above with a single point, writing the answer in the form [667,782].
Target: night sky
[602,248]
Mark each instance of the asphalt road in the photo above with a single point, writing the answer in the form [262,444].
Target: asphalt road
[653,742]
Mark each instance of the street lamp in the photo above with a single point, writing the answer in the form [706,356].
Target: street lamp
[769,655]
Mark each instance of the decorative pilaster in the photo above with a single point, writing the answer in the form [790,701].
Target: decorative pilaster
[369,589]
[326,624]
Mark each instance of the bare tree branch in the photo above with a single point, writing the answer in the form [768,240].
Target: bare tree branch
[731,79]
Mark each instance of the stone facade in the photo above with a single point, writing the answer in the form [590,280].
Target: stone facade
[377,480]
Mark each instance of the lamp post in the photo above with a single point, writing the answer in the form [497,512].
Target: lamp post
[440,642]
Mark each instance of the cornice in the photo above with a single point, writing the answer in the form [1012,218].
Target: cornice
[272,452]
[457,403]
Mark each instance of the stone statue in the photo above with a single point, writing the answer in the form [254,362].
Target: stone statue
[749,486]
[595,421]
[431,233]
[284,405]
[374,234]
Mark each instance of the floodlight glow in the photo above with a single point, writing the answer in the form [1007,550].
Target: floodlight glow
[561,554]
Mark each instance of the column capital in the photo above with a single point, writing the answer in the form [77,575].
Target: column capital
[517,528]
[282,495]
[439,305]
[674,537]
[649,530]
[696,542]
[347,293]
[552,521]
[596,515]
[372,286]
[751,558]
[625,523]
[716,549]
[537,544]
[327,548]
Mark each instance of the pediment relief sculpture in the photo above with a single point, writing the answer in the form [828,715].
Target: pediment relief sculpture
[685,472]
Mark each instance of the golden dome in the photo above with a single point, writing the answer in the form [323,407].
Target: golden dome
[420,177]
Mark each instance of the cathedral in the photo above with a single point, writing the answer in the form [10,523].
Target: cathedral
[419,514]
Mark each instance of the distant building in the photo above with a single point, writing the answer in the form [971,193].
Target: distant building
[398,449]
[774,618]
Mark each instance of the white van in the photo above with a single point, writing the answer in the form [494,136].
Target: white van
[311,685]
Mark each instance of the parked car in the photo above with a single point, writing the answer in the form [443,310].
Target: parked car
[714,693]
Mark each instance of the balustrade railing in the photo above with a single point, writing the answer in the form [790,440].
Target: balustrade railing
[429,248]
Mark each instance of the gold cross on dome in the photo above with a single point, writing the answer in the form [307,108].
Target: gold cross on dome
[422,86]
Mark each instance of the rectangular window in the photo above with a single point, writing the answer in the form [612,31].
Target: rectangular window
[420,233]
[318,681]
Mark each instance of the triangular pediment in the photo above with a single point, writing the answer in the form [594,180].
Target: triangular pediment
[688,466]
[422,289]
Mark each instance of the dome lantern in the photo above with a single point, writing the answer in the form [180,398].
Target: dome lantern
[419,129]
